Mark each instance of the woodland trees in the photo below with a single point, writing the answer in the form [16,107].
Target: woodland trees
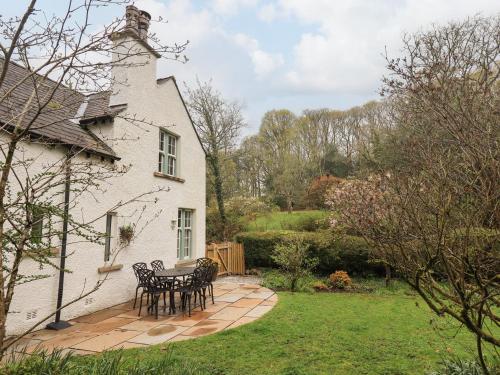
[434,216]
[218,123]
[289,152]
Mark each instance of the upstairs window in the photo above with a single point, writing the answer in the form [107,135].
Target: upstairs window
[167,157]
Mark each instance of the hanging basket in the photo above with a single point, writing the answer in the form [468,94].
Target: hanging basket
[126,234]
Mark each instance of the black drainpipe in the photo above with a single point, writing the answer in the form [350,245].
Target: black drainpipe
[58,324]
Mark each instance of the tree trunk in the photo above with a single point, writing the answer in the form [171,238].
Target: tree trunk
[387,275]
[6,169]
[289,205]
[219,195]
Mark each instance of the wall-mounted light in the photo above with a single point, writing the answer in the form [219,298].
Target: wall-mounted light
[173,224]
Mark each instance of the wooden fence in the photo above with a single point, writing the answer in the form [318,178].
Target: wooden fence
[229,255]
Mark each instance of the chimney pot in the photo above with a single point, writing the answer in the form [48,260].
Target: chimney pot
[144,19]
[132,18]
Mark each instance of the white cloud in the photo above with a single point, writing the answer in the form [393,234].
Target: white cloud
[183,21]
[308,54]
[231,7]
[268,13]
[264,63]
[343,53]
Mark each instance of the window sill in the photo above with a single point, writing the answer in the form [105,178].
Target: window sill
[106,269]
[178,179]
[185,263]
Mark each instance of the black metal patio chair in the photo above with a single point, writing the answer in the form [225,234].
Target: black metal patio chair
[192,285]
[211,269]
[136,267]
[154,288]
[157,265]
[203,262]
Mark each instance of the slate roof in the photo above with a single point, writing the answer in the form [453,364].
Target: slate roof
[60,120]
[97,107]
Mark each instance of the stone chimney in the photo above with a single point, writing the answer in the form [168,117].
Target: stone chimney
[134,76]
[144,19]
[137,21]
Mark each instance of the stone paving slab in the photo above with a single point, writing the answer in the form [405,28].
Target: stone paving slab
[99,316]
[207,327]
[247,302]
[268,302]
[67,340]
[230,313]
[106,341]
[106,325]
[258,311]
[219,292]
[230,297]
[228,286]
[189,321]
[141,325]
[217,306]
[261,294]
[121,326]
[158,334]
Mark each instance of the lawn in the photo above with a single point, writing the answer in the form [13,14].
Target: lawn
[278,220]
[319,333]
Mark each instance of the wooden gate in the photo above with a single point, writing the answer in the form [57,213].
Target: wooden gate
[229,255]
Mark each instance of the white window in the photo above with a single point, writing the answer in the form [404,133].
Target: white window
[167,157]
[110,235]
[41,229]
[184,233]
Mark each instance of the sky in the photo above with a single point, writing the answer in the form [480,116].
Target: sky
[294,54]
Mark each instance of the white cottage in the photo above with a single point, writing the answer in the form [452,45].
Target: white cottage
[168,154]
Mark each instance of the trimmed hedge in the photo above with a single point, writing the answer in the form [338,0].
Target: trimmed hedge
[347,253]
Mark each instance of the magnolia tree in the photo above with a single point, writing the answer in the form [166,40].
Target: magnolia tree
[435,219]
[61,57]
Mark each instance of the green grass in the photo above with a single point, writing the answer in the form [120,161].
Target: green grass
[285,221]
[324,333]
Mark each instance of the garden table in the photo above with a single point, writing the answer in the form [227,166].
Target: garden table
[173,274]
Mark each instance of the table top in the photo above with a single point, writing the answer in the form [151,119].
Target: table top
[175,272]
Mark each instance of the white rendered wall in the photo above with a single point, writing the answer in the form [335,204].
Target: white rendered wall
[137,145]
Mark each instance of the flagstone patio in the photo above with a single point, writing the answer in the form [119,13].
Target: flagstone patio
[121,327]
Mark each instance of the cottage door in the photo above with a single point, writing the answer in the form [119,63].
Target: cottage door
[184,233]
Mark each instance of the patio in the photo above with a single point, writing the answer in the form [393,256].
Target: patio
[121,327]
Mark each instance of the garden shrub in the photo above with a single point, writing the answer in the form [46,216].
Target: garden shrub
[277,280]
[320,286]
[274,280]
[349,253]
[340,280]
[293,257]
[310,224]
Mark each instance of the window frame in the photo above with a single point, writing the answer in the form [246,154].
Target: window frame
[168,145]
[110,217]
[183,214]
[37,217]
